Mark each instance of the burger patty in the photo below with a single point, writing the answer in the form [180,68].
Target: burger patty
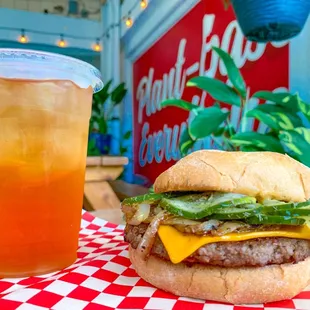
[256,252]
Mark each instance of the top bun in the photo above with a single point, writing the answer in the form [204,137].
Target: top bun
[264,175]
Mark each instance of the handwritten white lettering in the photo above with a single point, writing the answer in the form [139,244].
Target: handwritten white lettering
[150,93]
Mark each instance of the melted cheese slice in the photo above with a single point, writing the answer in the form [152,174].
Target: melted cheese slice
[179,246]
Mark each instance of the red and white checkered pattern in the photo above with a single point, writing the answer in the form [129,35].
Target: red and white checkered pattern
[102,279]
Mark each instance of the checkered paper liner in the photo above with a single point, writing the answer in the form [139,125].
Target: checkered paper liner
[102,278]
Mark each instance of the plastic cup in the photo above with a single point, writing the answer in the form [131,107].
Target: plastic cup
[44,119]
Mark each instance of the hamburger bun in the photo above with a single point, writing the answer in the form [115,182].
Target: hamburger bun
[263,175]
[267,175]
[244,285]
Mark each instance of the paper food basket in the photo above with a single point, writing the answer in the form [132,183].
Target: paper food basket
[102,278]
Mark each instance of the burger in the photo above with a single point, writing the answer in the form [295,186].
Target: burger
[224,226]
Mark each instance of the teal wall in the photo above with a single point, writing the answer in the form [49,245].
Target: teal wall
[80,34]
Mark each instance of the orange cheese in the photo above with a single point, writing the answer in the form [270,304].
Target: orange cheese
[179,246]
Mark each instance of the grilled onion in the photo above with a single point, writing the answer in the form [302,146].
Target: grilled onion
[199,228]
[141,214]
[229,227]
[148,239]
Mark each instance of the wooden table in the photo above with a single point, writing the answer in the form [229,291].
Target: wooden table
[99,197]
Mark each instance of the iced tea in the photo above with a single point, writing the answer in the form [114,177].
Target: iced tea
[43,139]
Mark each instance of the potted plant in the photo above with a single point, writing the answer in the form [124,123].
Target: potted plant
[270,20]
[103,106]
[284,115]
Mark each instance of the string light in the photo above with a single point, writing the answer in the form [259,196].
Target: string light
[128,22]
[143,4]
[23,38]
[62,42]
[97,46]
[127,19]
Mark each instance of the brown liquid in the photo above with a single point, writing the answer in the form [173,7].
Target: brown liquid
[43,139]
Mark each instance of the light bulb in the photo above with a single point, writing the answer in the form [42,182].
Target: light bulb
[97,46]
[143,4]
[129,22]
[62,42]
[23,38]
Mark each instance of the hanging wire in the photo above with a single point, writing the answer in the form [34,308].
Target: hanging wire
[23,38]
[28,31]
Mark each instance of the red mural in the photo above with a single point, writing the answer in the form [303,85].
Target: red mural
[181,53]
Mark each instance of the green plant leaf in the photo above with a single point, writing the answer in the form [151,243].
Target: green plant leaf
[250,148]
[206,122]
[304,108]
[99,99]
[224,131]
[182,104]
[96,109]
[230,130]
[265,118]
[118,94]
[304,132]
[186,142]
[217,89]
[273,108]
[91,143]
[106,88]
[123,150]
[103,94]
[120,97]
[275,117]
[227,144]
[91,124]
[264,142]
[285,121]
[127,134]
[291,103]
[276,121]
[95,114]
[284,99]
[273,97]
[219,132]
[102,124]
[298,141]
[233,72]
[91,148]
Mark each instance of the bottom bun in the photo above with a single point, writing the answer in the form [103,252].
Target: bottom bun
[245,285]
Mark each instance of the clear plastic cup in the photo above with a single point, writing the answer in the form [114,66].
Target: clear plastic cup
[44,119]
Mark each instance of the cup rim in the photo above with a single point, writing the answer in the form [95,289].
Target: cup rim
[65,63]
